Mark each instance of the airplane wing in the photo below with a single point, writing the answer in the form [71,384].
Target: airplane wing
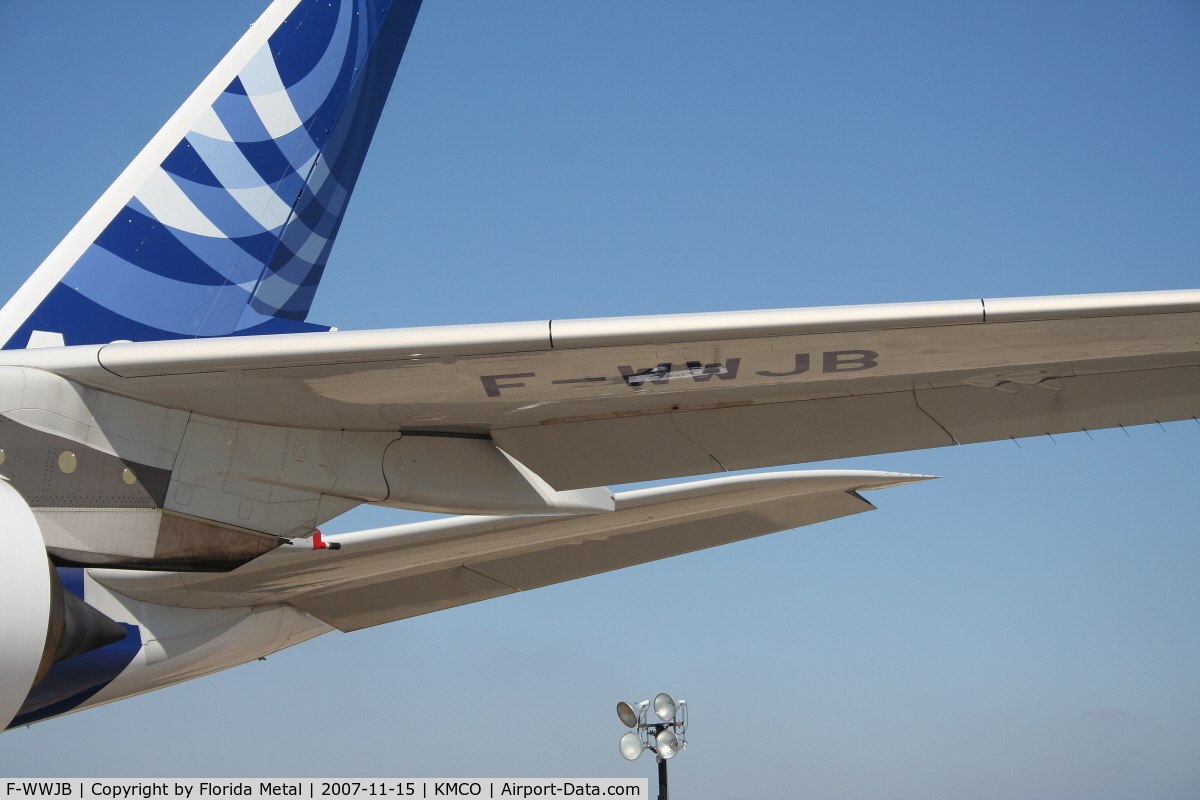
[608,401]
[387,574]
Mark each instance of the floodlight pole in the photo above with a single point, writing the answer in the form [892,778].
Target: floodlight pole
[662,766]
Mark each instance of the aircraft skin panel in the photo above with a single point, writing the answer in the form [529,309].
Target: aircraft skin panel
[715,440]
[366,606]
[1084,402]
[527,571]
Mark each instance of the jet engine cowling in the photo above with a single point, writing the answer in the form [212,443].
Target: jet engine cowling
[41,623]
[25,598]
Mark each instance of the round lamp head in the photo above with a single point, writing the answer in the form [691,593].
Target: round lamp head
[664,707]
[631,746]
[667,744]
[628,716]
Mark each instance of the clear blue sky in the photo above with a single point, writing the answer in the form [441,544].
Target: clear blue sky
[1027,627]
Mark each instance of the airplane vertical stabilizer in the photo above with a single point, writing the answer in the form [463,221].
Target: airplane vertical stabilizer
[223,223]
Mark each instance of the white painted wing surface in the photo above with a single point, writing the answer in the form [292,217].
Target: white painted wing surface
[391,573]
[607,401]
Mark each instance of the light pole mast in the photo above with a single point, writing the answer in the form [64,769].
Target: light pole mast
[662,777]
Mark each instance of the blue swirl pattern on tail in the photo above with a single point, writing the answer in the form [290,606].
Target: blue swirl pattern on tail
[230,232]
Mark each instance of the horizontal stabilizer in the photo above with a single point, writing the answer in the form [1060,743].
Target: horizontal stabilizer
[387,574]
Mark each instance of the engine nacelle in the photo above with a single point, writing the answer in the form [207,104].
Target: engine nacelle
[42,624]
[26,599]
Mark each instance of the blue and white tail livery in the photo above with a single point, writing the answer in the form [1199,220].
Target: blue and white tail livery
[223,223]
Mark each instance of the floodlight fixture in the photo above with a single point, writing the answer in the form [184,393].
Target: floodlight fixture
[665,736]
[664,707]
[631,746]
[629,716]
[666,743]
